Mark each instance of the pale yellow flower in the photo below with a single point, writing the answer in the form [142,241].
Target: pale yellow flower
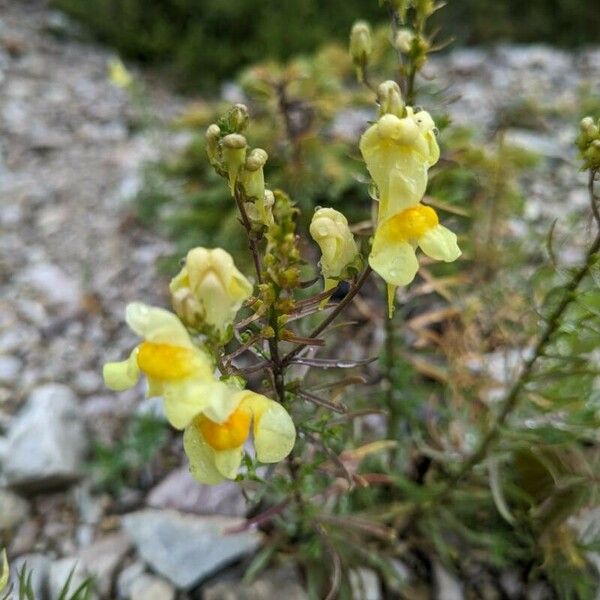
[398,153]
[214,283]
[215,444]
[175,368]
[118,75]
[329,228]
[393,253]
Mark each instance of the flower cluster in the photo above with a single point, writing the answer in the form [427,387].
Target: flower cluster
[398,150]
[588,142]
[216,414]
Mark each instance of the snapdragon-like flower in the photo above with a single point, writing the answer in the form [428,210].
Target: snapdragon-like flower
[209,289]
[398,153]
[215,444]
[329,228]
[176,369]
[393,252]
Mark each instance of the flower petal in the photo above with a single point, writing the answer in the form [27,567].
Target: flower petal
[393,260]
[188,398]
[201,457]
[122,375]
[228,462]
[440,244]
[157,325]
[274,430]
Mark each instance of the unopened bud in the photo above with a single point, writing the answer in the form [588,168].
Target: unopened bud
[404,40]
[424,7]
[390,100]
[213,133]
[238,118]
[361,44]
[256,159]
[589,128]
[187,308]
[234,156]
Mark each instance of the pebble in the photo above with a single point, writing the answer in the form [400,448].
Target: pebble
[150,587]
[10,369]
[179,490]
[47,442]
[273,584]
[447,586]
[14,510]
[60,570]
[102,559]
[38,565]
[184,548]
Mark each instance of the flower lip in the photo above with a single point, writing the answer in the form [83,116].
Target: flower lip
[411,224]
[228,435]
[165,361]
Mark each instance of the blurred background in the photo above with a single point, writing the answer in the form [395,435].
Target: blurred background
[104,186]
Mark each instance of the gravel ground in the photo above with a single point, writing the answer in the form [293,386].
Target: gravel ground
[72,255]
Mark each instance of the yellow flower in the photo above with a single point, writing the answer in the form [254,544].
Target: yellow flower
[176,369]
[216,288]
[329,228]
[398,153]
[118,75]
[214,444]
[4,572]
[393,252]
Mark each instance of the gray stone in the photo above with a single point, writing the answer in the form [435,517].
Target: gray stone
[39,567]
[53,283]
[10,368]
[365,584]
[46,443]
[179,490]
[13,510]
[186,549]
[60,570]
[102,559]
[150,587]
[152,407]
[273,584]
[447,586]
[126,578]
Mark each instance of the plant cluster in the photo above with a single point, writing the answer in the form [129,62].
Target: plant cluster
[438,459]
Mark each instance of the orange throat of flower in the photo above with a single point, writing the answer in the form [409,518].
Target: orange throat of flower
[164,361]
[228,435]
[411,224]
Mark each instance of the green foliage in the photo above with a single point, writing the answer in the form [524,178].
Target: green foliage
[114,465]
[24,591]
[563,22]
[205,41]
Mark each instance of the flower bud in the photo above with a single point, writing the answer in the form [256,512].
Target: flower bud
[389,98]
[361,45]
[404,40]
[209,289]
[401,6]
[234,156]
[187,308]
[424,7]
[589,128]
[238,118]
[329,228]
[213,133]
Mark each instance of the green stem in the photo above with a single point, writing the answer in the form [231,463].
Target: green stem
[514,395]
